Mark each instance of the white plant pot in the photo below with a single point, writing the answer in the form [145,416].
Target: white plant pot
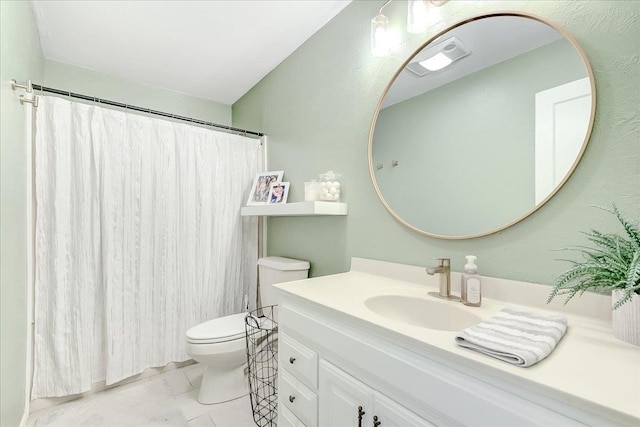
[626,318]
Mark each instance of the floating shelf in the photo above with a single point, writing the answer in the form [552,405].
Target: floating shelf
[296,209]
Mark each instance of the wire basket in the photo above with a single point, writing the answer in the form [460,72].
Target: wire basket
[262,358]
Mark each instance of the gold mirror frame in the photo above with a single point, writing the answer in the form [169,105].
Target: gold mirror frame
[587,65]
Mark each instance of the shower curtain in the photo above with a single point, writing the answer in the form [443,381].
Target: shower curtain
[138,237]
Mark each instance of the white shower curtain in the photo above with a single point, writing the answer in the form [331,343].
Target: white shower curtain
[138,237]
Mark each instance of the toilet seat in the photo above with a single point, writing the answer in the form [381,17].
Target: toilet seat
[222,329]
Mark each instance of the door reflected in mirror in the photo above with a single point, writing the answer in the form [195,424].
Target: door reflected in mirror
[485,124]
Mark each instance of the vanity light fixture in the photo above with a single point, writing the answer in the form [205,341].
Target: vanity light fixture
[417,16]
[417,21]
[380,38]
[380,44]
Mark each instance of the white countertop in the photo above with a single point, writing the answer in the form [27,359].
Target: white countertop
[589,368]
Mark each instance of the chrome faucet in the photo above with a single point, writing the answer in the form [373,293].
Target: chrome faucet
[444,270]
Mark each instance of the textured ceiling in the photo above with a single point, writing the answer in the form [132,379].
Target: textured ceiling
[216,50]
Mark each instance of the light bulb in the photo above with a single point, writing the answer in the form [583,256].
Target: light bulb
[380,43]
[417,17]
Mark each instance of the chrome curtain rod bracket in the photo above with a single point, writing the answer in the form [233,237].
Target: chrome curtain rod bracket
[33,101]
[28,87]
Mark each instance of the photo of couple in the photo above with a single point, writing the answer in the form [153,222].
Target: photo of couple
[268,188]
[279,192]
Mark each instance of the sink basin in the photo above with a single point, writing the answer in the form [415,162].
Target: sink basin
[426,313]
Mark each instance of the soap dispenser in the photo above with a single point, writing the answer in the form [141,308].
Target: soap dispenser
[470,288]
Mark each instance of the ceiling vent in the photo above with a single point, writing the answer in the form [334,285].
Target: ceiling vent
[436,57]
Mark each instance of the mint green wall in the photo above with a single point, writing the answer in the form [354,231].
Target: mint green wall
[317,106]
[453,156]
[20,59]
[94,83]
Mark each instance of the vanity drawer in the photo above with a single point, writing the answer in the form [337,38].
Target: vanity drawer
[299,360]
[287,419]
[297,398]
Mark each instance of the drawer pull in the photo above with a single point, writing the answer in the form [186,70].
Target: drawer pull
[376,423]
[360,414]
[291,398]
[292,359]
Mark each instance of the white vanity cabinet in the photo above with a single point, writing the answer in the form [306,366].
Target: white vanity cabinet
[330,364]
[315,392]
[336,354]
[346,402]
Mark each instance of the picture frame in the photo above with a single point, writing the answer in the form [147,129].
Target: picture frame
[278,193]
[261,186]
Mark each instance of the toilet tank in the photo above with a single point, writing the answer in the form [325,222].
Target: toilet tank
[275,269]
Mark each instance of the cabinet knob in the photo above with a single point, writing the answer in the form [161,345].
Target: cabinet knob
[376,423]
[292,359]
[291,398]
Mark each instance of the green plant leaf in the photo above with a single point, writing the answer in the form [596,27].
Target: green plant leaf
[632,229]
[613,262]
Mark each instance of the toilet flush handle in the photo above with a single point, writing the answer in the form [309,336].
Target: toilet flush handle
[292,359]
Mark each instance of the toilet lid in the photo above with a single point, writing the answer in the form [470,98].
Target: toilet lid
[221,329]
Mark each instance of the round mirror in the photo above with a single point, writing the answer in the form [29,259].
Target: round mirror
[481,126]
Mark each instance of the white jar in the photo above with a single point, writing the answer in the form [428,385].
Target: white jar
[311,191]
[330,186]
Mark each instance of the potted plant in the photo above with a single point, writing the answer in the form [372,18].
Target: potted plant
[612,264]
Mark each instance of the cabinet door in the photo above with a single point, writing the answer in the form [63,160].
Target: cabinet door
[340,396]
[390,414]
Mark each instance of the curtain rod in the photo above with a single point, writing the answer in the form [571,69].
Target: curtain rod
[145,110]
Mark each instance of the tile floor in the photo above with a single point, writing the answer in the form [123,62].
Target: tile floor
[168,399]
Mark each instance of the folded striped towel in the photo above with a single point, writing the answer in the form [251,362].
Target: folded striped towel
[520,337]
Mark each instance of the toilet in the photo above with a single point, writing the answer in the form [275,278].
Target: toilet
[220,343]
